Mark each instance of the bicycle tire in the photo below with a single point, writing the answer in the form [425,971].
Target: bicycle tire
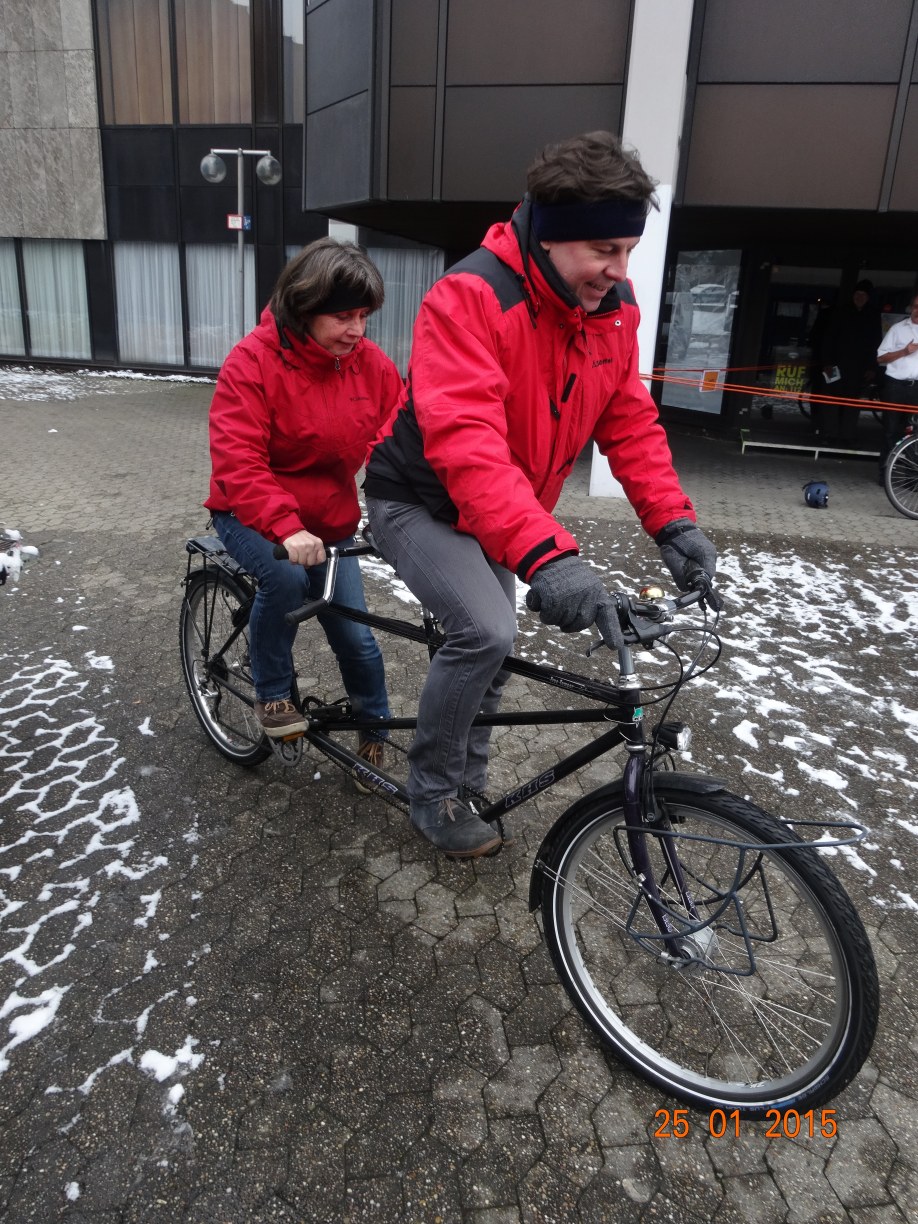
[228,719]
[792,1033]
[901,476]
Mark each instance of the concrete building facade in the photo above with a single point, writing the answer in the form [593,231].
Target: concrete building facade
[784,138]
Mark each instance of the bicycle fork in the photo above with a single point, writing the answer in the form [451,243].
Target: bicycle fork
[643,819]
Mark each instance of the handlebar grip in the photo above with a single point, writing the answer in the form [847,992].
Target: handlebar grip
[698,580]
[280,553]
[298,615]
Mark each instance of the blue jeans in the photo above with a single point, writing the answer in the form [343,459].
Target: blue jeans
[283,587]
[474,599]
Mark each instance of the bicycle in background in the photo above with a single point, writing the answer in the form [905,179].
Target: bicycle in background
[901,472]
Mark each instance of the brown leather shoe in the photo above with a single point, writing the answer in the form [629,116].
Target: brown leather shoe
[373,753]
[280,718]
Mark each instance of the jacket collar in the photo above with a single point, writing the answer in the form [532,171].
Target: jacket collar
[306,354]
[515,238]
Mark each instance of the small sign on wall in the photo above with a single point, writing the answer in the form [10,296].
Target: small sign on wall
[238,221]
[709,380]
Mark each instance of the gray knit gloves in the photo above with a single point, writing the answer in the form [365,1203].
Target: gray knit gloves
[567,593]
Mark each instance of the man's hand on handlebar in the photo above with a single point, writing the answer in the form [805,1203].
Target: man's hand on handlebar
[567,593]
[303,548]
[690,557]
[609,625]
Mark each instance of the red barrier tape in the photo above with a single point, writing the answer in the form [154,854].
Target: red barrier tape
[811,397]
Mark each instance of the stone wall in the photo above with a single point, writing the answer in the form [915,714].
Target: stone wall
[50,158]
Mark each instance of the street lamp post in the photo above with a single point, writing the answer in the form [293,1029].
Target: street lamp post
[268,169]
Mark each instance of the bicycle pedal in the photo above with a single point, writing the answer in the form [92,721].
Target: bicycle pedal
[288,750]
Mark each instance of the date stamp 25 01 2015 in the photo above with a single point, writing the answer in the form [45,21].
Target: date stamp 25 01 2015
[782,1124]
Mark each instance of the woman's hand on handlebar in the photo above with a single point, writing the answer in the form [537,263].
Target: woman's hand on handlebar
[303,548]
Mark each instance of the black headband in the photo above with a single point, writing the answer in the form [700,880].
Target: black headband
[344,297]
[579,221]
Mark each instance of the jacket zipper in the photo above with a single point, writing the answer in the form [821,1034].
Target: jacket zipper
[565,396]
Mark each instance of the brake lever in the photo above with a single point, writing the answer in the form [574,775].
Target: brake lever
[698,580]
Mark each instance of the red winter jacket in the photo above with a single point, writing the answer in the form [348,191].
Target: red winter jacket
[289,428]
[509,379]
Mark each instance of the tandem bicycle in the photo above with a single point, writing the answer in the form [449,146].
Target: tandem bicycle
[705,941]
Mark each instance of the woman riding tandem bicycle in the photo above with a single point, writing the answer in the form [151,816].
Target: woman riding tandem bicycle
[297,402]
[521,353]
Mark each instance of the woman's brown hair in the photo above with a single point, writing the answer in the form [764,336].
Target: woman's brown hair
[312,276]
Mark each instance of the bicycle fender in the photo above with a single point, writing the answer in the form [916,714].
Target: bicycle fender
[664,781]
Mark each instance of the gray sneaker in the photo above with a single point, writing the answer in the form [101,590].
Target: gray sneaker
[453,828]
[476,801]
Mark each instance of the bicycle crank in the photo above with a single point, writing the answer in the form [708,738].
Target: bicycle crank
[289,750]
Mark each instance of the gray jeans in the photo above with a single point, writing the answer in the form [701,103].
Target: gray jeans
[474,599]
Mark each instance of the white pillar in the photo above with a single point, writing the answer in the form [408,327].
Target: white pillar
[653,124]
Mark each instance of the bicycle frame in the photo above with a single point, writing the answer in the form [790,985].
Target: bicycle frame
[621,703]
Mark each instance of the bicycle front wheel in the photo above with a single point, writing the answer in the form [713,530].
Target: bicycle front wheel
[213,640]
[902,477]
[767,998]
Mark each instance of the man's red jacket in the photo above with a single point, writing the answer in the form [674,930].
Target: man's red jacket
[289,428]
[509,379]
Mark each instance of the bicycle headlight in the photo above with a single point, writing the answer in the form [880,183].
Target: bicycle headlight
[676,736]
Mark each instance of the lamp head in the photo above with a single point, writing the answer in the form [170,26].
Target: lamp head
[213,168]
[268,169]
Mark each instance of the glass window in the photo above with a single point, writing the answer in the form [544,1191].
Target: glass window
[294,63]
[134,61]
[407,275]
[212,275]
[149,303]
[55,277]
[696,328]
[214,61]
[12,340]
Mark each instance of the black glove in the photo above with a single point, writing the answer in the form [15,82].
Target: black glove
[567,593]
[685,550]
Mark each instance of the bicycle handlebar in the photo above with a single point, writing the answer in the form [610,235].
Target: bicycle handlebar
[349,550]
[643,621]
[332,556]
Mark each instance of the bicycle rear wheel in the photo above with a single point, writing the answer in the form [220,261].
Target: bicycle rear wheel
[902,477]
[219,676]
[770,1001]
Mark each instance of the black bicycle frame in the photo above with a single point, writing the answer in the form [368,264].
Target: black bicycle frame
[323,720]
[621,705]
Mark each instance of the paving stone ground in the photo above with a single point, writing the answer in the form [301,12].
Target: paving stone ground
[272,1001]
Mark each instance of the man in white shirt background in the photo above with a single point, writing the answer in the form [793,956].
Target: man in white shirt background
[898,354]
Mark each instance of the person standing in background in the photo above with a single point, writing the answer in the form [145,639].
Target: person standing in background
[898,354]
[849,348]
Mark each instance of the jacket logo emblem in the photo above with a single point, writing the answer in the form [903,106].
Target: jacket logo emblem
[602,361]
